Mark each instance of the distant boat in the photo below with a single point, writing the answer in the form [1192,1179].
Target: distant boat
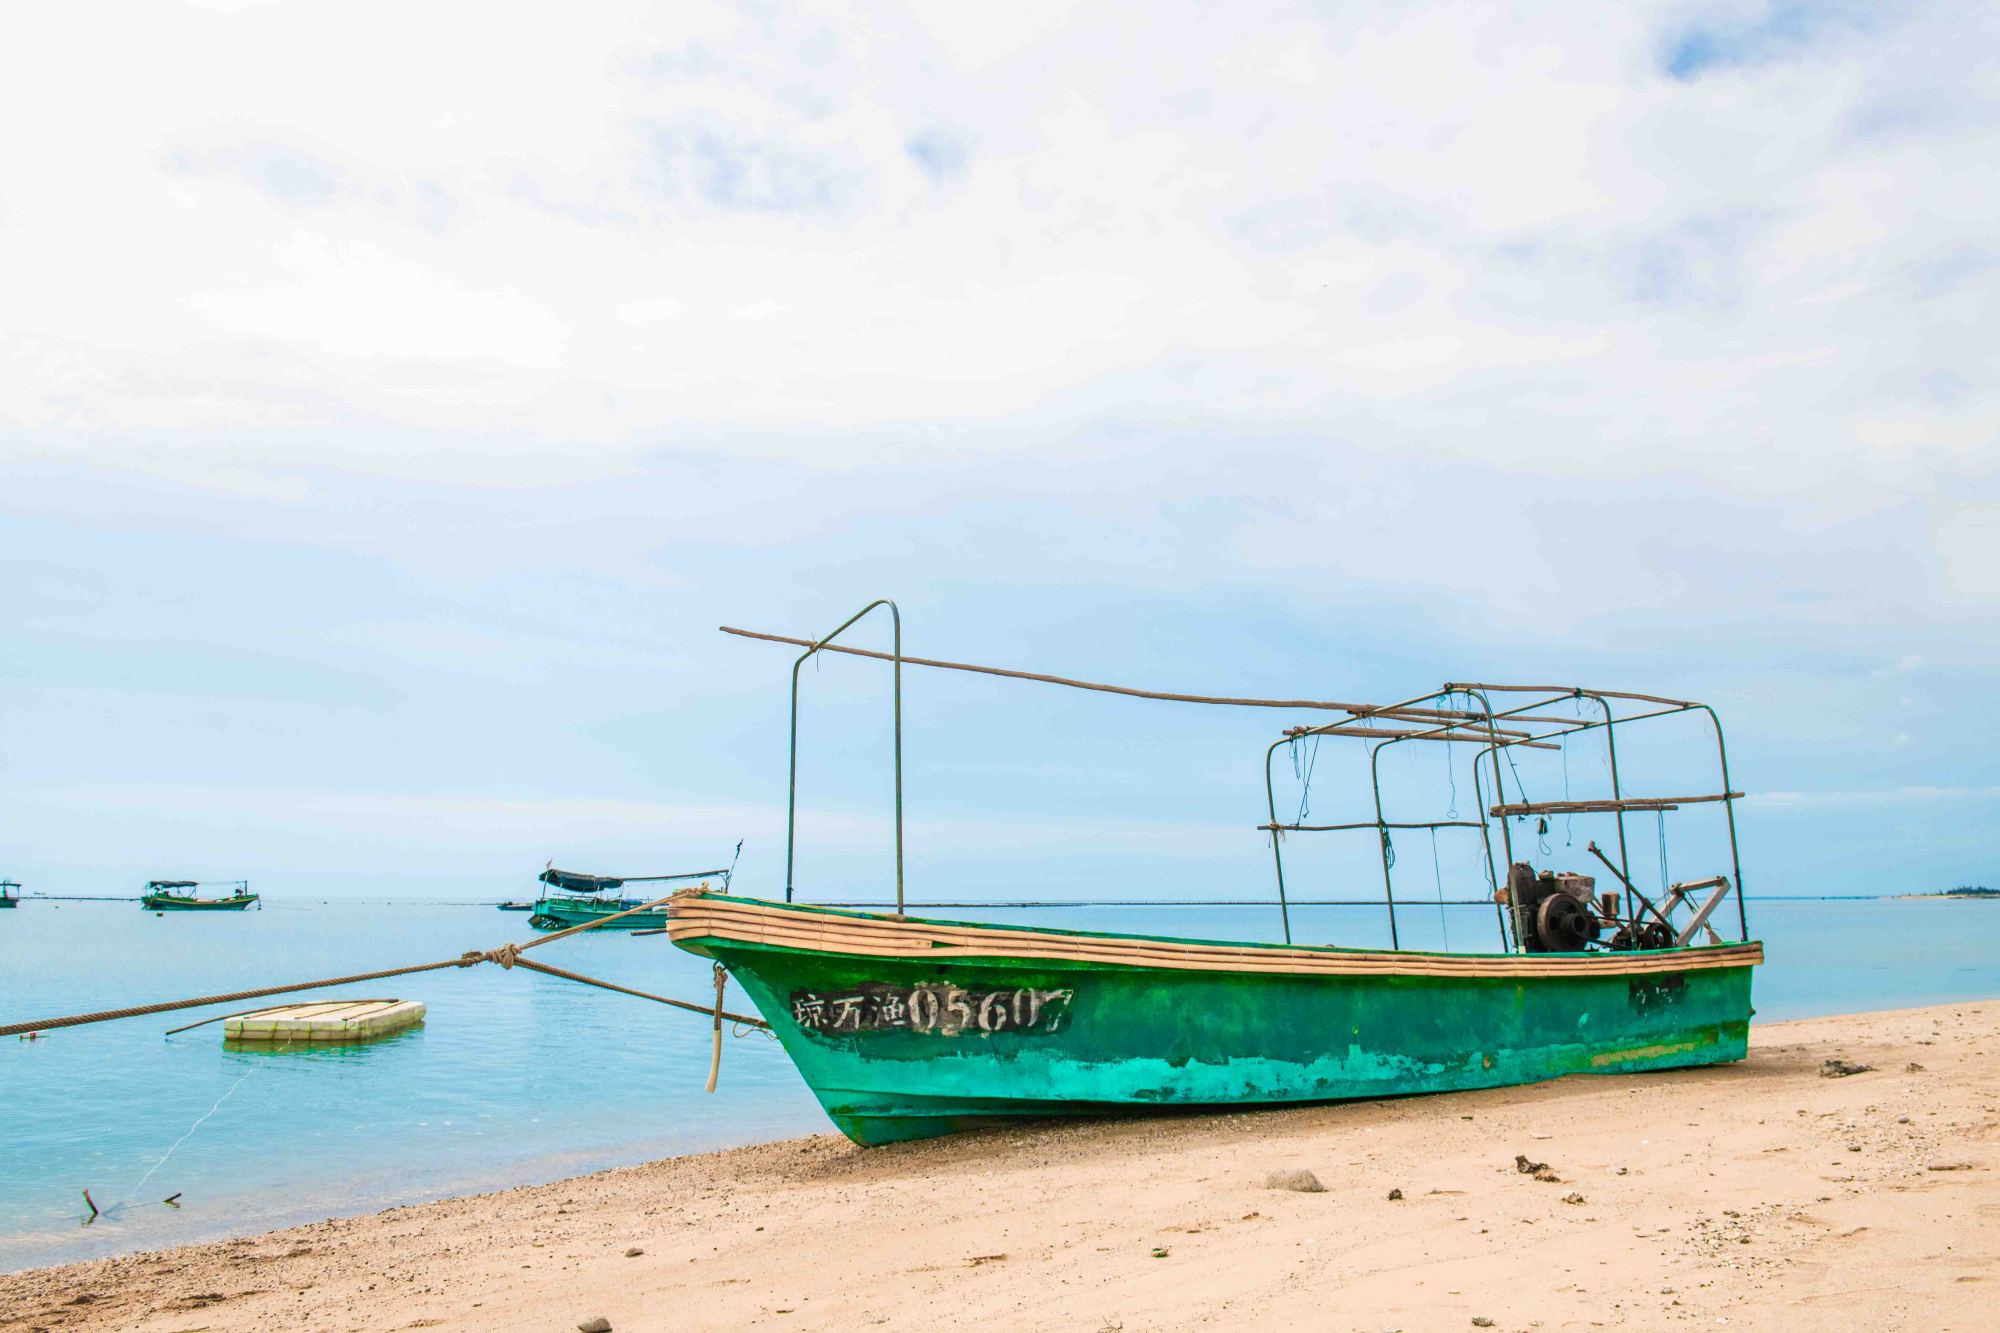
[575,899]
[515,907]
[178,895]
[10,893]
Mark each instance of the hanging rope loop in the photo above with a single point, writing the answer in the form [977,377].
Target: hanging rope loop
[715,1050]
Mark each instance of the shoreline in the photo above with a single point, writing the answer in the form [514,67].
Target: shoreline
[1758,1192]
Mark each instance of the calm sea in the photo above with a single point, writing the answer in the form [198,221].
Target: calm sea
[518,1078]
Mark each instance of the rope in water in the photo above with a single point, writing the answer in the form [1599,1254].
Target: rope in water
[507,955]
[132,1196]
[139,1010]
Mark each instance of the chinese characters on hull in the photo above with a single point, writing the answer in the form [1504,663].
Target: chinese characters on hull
[934,1007]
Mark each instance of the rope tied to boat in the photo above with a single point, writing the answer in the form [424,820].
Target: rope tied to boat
[508,956]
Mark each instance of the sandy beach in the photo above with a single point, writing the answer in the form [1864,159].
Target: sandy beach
[1758,1195]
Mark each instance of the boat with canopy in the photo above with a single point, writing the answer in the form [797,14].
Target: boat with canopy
[184,895]
[907,1027]
[575,899]
[10,893]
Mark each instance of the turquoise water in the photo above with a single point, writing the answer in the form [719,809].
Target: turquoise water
[517,1077]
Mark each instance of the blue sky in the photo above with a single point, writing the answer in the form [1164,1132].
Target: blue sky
[392,404]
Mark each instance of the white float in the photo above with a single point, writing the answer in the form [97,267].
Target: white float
[324,1020]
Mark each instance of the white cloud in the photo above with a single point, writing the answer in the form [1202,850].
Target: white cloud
[1968,552]
[1495,317]
[634,221]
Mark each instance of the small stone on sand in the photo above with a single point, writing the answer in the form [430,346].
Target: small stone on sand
[1395,1195]
[595,1324]
[634,1252]
[1842,1069]
[1572,1198]
[1528,1168]
[1299,1182]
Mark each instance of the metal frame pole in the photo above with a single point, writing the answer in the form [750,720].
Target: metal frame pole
[1277,857]
[1611,751]
[1729,811]
[1382,839]
[1493,880]
[792,780]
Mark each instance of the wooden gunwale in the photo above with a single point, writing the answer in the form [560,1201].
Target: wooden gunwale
[811,930]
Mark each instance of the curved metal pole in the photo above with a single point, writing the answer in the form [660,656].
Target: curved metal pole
[1729,810]
[1611,749]
[1506,834]
[1272,804]
[792,781]
[1277,857]
[1485,836]
[1479,796]
[1493,735]
[1382,837]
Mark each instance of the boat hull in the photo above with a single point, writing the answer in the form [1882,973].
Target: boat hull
[154,902]
[1006,1028]
[562,913]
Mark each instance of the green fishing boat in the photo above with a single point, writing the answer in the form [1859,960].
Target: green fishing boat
[184,895]
[577,899]
[907,1027]
[911,1028]
[10,893]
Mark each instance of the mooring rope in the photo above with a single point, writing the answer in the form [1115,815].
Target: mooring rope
[508,956]
[703,1009]
[168,1006]
[133,1195]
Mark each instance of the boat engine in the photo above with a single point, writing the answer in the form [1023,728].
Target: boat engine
[1553,913]
[1641,935]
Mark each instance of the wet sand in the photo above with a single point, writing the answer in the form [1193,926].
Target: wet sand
[1760,1195]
